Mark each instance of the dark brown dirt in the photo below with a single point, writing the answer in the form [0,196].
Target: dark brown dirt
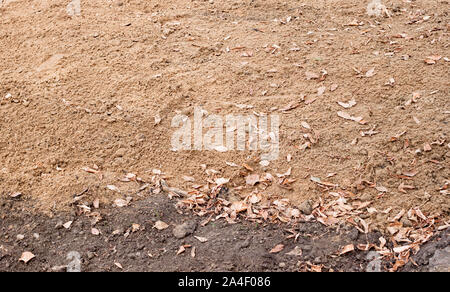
[239,247]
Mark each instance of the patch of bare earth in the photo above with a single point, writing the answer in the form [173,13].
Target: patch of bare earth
[86,104]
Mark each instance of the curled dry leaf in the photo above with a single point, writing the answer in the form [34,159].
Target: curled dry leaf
[15,195]
[402,188]
[181,250]
[431,60]
[157,119]
[90,170]
[201,239]
[252,179]
[309,99]
[347,249]
[118,265]
[26,257]
[349,104]
[290,106]
[365,225]
[349,117]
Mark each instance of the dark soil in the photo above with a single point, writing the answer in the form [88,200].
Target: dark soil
[244,246]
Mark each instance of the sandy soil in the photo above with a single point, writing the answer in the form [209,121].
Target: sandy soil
[81,98]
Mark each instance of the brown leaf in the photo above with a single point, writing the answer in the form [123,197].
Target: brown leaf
[311,75]
[297,251]
[118,265]
[349,104]
[349,117]
[26,257]
[67,224]
[321,90]
[252,179]
[370,73]
[310,99]
[402,188]
[277,248]
[347,249]
[181,250]
[160,225]
[201,239]
[15,195]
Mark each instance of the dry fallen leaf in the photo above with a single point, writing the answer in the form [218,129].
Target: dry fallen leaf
[305,125]
[347,249]
[311,75]
[254,199]
[135,227]
[26,257]
[349,104]
[321,90]
[90,170]
[310,99]
[67,224]
[370,73]
[181,250]
[349,117]
[15,195]
[160,225]
[113,188]
[222,181]
[431,60]
[120,203]
[277,248]
[252,179]
[201,239]
[297,251]
[157,119]
[118,265]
